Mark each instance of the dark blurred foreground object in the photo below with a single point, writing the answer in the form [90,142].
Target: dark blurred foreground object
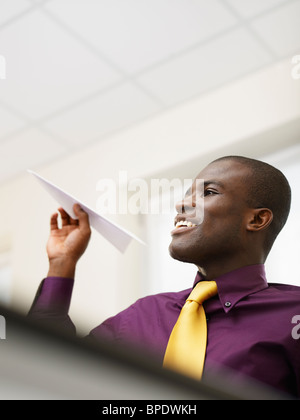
[42,363]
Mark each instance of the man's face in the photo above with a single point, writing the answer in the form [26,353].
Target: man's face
[220,235]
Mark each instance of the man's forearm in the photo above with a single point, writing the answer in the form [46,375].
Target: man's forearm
[52,302]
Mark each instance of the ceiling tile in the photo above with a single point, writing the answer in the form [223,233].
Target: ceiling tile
[27,150]
[9,9]
[46,68]
[250,8]
[207,67]
[281,29]
[109,112]
[136,34]
[8,122]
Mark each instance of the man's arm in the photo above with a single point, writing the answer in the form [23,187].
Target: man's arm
[64,248]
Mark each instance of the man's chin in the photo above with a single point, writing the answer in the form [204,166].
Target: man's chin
[180,254]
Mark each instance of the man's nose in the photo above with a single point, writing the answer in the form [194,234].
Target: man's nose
[187,205]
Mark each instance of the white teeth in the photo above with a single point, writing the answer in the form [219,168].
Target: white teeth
[184,223]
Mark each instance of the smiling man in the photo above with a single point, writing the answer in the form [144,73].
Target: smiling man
[246,204]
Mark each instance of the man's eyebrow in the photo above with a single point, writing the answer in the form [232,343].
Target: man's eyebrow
[206,184]
[213,182]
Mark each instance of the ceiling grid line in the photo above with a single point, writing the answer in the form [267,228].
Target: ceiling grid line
[247,24]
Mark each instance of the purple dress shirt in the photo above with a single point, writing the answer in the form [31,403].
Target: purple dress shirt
[249,324]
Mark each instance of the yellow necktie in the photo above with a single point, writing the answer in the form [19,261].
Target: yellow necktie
[186,348]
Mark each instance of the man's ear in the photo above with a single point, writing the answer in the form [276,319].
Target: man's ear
[259,219]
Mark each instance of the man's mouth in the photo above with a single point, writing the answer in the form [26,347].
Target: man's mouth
[184,223]
[183,226]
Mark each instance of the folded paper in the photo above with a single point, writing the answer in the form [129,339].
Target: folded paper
[116,235]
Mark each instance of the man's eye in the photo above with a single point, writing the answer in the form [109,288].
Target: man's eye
[209,192]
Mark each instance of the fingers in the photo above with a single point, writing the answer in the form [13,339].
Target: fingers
[53,221]
[83,217]
[66,219]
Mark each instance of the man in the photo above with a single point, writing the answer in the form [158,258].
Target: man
[249,323]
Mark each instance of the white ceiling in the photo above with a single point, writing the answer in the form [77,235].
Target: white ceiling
[78,70]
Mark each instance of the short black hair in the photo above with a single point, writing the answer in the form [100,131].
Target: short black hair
[267,188]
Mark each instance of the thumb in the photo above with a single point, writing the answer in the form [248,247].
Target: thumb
[83,217]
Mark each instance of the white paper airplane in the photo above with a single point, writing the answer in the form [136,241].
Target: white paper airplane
[116,235]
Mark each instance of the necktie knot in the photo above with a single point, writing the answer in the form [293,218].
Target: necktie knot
[203,291]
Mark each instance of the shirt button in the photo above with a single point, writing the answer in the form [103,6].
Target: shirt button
[228,304]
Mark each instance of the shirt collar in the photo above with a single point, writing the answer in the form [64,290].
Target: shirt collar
[236,285]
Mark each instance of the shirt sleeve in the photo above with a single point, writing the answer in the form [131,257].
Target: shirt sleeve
[52,302]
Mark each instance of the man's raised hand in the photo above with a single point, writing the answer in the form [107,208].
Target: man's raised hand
[67,244]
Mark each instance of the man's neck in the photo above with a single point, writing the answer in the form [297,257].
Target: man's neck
[212,272]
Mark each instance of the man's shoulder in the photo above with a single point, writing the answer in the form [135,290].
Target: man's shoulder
[284,293]
[282,287]
[164,296]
